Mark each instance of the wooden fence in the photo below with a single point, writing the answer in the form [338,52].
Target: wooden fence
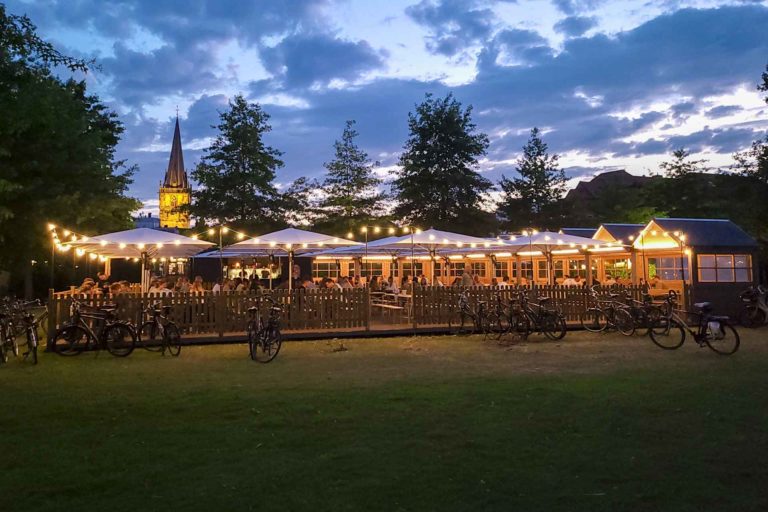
[315,310]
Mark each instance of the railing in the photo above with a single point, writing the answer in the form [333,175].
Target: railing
[316,309]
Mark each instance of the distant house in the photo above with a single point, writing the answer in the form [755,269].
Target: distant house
[146,221]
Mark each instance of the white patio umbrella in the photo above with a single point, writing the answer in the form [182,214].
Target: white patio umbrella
[434,241]
[290,241]
[549,243]
[143,243]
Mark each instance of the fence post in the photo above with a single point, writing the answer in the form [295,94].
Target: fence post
[367,303]
[219,311]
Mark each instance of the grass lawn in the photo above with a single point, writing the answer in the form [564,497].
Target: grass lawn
[442,423]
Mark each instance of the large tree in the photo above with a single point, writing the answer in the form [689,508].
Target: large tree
[350,189]
[57,146]
[438,184]
[532,198]
[237,172]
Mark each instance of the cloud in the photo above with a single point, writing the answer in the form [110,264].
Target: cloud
[722,111]
[454,25]
[571,7]
[575,26]
[302,60]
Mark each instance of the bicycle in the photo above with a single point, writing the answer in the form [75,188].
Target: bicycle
[755,310]
[118,337]
[466,312]
[713,331]
[517,322]
[264,340]
[607,314]
[644,313]
[529,317]
[493,321]
[8,333]
[160,334]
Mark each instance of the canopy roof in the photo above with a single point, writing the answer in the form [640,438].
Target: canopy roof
[547,241]
[287,240]
[434,240]
[134,242]
[381,247]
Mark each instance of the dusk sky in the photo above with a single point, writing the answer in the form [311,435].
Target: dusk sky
[612,84]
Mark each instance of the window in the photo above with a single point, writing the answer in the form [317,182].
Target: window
[404,268]
[617,268]
[577,268]
[369,269]
[455,268]
[477,268]
[324,269]
[668,268]
[541,267]
[525,270]
[725,268]
[559,264]
[501,269]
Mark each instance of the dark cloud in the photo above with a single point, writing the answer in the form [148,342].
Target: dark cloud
[571,7]
[722,111]
[454,25]
[575,26]
[302,60]
[514,47]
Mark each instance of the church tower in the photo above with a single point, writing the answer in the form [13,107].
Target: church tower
[175,190]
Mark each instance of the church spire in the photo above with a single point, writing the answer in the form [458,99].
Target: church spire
[176,176]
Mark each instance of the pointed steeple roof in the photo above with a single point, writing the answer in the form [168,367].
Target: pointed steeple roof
[176,176]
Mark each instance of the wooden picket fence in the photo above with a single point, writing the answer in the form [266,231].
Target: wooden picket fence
[314,310]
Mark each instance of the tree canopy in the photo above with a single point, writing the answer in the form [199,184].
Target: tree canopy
[438,184]
[533,198]
[237,172]
[350,189]
[57,148]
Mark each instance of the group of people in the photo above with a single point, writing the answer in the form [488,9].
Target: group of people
[374,283]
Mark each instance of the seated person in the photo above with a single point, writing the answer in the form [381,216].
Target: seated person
[569,281]
[609,280]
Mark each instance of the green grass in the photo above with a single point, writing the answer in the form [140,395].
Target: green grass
[593,423]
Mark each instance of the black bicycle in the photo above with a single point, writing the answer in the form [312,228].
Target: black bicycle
[160,333]
[465,319]
[644,313]
[607,314]
[264,339]
[714,331]
[118,337]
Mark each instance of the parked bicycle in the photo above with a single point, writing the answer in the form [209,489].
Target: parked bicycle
[644,313]
[264,339]
[754,312]
[607,314]
[526,317]
[118,337]
[160,333]
[714,331]
[465,319]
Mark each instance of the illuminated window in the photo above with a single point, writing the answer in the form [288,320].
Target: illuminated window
[406,266]
[541,267]
[501,269]
[668,268]
[525,270]
[477,268]
[321,269]
[369,268]
[725,268]
[618,268]
[455,268]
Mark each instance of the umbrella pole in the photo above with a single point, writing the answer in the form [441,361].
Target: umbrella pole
[290,270]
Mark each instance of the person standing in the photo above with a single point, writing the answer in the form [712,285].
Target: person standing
[466,279]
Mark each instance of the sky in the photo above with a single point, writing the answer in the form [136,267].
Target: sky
[611,84]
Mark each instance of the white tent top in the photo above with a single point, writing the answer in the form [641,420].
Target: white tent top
[133,242]
[290,239]
[549,241]
[380,247]
[433,239]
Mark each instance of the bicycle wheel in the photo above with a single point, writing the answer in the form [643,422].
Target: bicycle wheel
[32,344]
[119,339]
[553,326]
[14,342]
[722,338]
[267,346]
[751,316]
[668,334]
[593,320]
[3,352]
[646,319]
[492,325]
[624,322]
[70,340]
[172,339]
[149,336]
[461,323]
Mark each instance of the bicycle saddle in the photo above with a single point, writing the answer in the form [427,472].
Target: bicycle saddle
[252,309]
[543,300]
[704,306]
[614,295]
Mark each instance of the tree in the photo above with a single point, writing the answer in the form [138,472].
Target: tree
[764,85]
[754,161]
[681,165]
[57,146]
[350,187]
[533,198]
[438,184]
[237,172]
